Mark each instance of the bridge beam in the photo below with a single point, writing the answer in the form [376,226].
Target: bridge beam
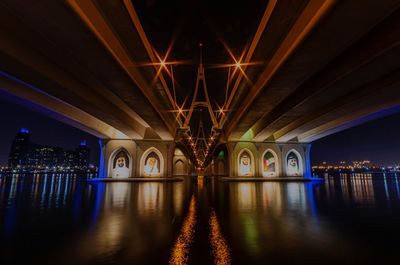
[308,19]
[56,108]
[92,16]
[350,109]
[329,55]
[358,71]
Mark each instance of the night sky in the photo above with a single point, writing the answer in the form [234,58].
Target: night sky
[43,130]
[377,140]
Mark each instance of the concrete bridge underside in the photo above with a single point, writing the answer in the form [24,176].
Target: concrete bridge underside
[328,66]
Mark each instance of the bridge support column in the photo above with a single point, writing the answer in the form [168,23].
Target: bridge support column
[180,162]
[102,173]
[308,172]
[136,158]
[119,158]
[154,158]
[262,159]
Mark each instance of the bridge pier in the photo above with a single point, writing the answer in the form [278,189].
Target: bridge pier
[120,158]
[163,159]
[262,160]
[123,159]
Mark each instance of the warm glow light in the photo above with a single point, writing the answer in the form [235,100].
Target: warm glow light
[148,196]
[180,251]
[163,63]
[200,181]
[238,64]
[219,245]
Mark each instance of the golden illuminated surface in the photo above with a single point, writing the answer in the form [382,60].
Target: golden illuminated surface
[220,249]
[150,197]
[180,251]
[200,182]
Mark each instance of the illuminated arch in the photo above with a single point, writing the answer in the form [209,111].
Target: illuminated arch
[276,163]
[111,162]
[178,152]
[241,171]
[143,160]
[291,171]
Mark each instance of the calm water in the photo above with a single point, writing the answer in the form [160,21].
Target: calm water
[53,219]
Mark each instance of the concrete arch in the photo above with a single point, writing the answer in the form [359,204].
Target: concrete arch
[244,171]
[291,170]
[111,172]
[180,162]
[179,168]
[221,161]
[264,171]
[220,169]
[143,161]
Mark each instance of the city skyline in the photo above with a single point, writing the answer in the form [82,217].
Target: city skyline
[28,155]
[44,130]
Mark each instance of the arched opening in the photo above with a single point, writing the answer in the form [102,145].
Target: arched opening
[179,168]
[220,159]
[220,167]
[120,164]
[269,164]
[245,163]
[152,163]
[294,164]
[180,162]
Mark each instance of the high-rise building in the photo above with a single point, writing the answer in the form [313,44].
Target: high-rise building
[82,154]
[25,154]
[19,148]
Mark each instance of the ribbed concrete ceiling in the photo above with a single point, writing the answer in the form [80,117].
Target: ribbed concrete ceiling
[314,66]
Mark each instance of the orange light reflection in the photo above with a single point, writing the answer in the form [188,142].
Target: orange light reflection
[180,251]
[220,249]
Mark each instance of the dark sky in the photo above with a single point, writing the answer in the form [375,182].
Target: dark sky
[377,140]
[43,130]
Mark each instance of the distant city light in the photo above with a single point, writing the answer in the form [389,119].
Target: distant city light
[23,130]
[27,156]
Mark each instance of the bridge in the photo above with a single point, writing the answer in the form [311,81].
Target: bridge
[230,89]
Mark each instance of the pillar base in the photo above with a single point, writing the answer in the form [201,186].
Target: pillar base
[271,179]
[144,179]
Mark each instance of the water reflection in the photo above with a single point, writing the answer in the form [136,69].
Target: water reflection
[181,249]
[220,249]
[101,221]
[137,217]
[363,190]
[117,195]
[61,219]
[260,213]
